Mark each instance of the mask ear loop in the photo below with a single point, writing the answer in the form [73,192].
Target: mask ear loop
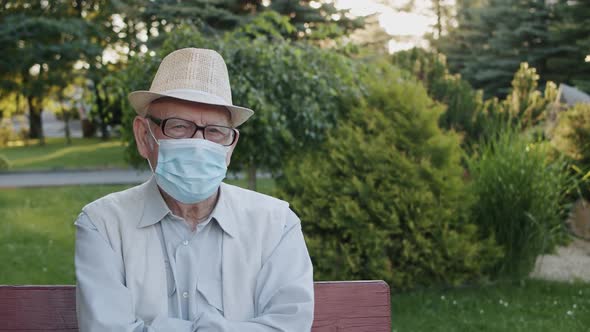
[150,143]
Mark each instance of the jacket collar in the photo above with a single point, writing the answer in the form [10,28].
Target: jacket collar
[224,211]
[155,208]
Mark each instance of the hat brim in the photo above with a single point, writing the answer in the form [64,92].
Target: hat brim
[140,101]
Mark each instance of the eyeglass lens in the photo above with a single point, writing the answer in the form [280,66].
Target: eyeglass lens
[179,128]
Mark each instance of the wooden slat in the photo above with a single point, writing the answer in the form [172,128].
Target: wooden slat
[344,306]
[38,308]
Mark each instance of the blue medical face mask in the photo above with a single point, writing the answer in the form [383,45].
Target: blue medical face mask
[190,169]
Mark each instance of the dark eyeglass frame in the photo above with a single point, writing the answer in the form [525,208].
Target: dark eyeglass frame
[162,124]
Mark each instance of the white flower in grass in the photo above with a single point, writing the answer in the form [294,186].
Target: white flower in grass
[442,297]
[570,313]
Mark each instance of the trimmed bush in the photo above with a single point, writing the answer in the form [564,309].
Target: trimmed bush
[572,134]
[464,105]
[4,163]
[571,137]
[6,131]
[519,196]
[384,198]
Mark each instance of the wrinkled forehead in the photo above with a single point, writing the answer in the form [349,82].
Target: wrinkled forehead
[200,113]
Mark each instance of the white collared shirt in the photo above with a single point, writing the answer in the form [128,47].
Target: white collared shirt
[193,264]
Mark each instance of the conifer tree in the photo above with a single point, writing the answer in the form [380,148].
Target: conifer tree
[571,35]
[493,38]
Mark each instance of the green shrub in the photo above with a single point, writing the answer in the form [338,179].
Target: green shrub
[6,131]
[526,103]
[4,163]
[572,134]
[525,107]
[571,137]
[464,105]
[296,90]
[384,197]
[519,196]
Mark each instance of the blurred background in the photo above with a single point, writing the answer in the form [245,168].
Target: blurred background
[442,146]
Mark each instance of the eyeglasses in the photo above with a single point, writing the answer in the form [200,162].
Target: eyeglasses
[180,128]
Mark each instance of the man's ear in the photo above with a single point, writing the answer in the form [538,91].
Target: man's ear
[140,131]
[232,147]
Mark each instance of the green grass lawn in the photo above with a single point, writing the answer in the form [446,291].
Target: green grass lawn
[37,247]
[37,232]
[83,153]
[532,305]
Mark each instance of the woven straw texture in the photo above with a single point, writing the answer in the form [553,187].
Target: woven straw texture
[192,74]
[192,68]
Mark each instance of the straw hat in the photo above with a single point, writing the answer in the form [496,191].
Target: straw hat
[192,74]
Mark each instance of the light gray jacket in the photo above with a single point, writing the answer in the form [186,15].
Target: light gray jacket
[250,286]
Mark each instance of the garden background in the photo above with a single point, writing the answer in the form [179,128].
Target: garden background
[446,170]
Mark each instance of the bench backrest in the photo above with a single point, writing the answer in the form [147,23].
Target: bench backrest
[359,306]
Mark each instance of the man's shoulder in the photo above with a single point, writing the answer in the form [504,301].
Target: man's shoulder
[125,198]
[247,199]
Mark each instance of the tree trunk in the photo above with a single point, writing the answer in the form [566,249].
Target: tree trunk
[17,104]
[23,133]
[251,176]
[66,115]
[35,121]
[104,133]
[67,127]
[438,10]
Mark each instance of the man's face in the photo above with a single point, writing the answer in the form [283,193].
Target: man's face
[201,114]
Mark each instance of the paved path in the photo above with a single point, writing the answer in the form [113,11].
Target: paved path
[566,264]
[72,177]
[82,177]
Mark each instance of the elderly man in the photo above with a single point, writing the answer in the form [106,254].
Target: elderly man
[184,251]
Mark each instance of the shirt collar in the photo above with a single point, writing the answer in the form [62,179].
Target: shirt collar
[155,208]
[224,212]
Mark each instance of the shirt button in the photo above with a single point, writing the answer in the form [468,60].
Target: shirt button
[185,242]
[185,295]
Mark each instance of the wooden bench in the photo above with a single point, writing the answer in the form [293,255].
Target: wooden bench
[359,306]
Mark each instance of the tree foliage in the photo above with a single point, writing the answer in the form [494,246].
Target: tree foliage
[525,102]
[41,42]
[384,197]
[464,106]
[572,135]
[297,90]
[494,37]
[153,19]
[525,106]
[571,32]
